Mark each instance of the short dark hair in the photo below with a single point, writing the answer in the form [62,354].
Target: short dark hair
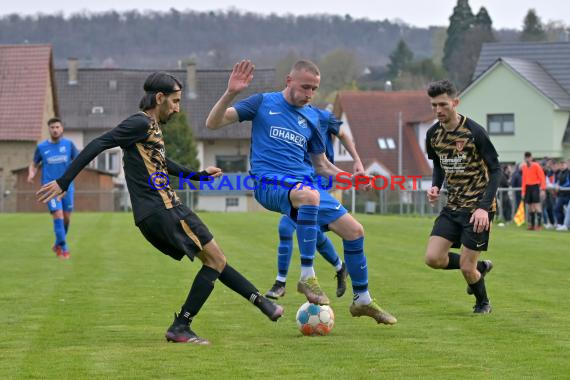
[54,120]
[305,64]
[527,154]
[155,83]
[441,87]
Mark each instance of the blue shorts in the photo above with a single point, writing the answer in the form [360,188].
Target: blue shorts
[65,204]
[275,197]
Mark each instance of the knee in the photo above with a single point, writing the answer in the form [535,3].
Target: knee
[468,270]
[433,262]
[307,197]
[214,258]
[356,231]
[286,229]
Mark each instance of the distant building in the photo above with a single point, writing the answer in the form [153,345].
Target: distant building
[521,93]
[27,102]
[371,118]
[96,100]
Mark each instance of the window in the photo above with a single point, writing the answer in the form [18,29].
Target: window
[232,164]
[501,124]
[386,143]
[113,162]
[101,159]
[108,161]
[97,110]
[566,138]
[232,202]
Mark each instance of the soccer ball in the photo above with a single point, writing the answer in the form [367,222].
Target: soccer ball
[315,319]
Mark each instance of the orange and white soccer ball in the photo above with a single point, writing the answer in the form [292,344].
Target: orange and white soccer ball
[315,319]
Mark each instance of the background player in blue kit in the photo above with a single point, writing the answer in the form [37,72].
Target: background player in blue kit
[329,127]
[284,129]
[55,155]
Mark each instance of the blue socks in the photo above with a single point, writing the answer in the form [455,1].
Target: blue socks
[59,230]
[307,238]
[285,250]
[356,265]
[326,249]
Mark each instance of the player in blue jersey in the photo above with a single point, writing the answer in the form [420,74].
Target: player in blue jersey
[54,155]
[285,129]
[329,127]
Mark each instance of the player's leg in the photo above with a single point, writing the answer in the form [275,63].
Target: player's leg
[177,233]
[234,280]
[352,234]
[306,201]
[284,252]
[67,207]
[326,248]
[474,270]
[55,208]
[475,280]
[438,256]
[445,234]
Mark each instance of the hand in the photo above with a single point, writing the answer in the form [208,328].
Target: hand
[433,195]
[241,76]
[358,168]
[480,220]
[214,171]
[49,191]
[542,195]
[362,181]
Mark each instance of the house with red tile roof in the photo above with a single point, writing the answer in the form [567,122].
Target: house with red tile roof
[372,118]
[27,102]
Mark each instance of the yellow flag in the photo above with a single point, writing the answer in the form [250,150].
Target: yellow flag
[519,216]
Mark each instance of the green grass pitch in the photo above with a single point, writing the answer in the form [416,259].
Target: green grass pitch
[103,314]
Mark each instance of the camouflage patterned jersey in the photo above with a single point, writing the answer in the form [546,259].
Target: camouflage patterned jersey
[141,139]
[466,158]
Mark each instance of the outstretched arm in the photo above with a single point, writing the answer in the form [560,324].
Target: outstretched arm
[207,174]
[222,114]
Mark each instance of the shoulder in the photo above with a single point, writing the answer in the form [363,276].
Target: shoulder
[431,130]
[138,119]
[474,127]
[42,144]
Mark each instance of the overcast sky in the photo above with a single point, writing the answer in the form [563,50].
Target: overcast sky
[505,13]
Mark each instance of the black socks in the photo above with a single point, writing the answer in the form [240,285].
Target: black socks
[199,292]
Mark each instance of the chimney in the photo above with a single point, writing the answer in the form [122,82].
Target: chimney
[191,80]
[388,86]
[72,71]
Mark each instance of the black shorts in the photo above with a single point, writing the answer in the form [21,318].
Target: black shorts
[176,232]
[532,194]
[455,227]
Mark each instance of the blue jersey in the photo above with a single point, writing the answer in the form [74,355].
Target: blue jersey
[55,158]
[281,136]
[329,125]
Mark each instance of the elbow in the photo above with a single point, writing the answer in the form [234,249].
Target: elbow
[210,124]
